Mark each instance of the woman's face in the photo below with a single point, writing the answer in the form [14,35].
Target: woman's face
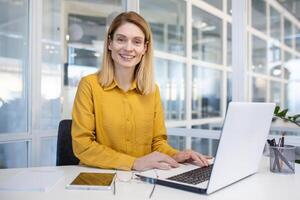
[127,46]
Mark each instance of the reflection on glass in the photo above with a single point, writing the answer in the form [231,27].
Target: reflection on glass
[259,55]
[51,70]
[259,19]
[297,31]
[274,63]
[205,146]
[48,152]
[168,29]
[13,66]
[14,155]
[229,88]
[207,36]
[275,92]
[259,89]
[229,45]
[291,88]
[216,3]
[275,24]
[288,63]
[206,92]
[288,32]
[177,142]
[85,37]
[288,102]
[170,77]
[229,7]
[85,43]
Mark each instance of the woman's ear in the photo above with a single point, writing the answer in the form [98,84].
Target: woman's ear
[109,44]
[145,48]
[109,41]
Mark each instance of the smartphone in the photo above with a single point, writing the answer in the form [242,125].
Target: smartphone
[93,181]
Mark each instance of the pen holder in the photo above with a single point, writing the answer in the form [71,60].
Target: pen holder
[282,159]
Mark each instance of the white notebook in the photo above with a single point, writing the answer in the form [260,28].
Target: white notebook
[32,180]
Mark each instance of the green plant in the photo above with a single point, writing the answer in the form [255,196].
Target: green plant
[282,114]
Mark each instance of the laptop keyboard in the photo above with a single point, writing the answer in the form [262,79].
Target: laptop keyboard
[194,176]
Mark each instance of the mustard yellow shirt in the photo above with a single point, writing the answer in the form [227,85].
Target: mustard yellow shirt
[111,128]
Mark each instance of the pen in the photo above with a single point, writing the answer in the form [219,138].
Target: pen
[283,159]
[282,140]
[279,142]
[270,142]
[276,160]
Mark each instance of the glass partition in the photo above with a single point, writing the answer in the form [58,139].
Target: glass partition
[216,3]
[288,32]
[229,44]
[206,36]
[259,55]
[206,92]
[274,61]
[259,16]
[297,31]
[86,23]
[275,91]
[48,151]
[275,24]
[169,30]
[259,89]
[14,25]
[51,68]
[10,151]
[170,77]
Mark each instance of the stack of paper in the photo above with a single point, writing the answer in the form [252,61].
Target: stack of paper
[32,180]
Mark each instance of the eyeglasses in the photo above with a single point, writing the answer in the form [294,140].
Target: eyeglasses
[129,177]
[154,184]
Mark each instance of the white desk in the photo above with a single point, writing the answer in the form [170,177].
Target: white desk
[262,186]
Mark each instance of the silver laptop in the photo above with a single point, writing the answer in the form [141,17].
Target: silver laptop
[241,144]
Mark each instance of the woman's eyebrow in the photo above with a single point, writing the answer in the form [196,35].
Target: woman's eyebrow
[138,37]
[120,35]
[135,37]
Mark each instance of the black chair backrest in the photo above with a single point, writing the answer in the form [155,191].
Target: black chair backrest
[64,153]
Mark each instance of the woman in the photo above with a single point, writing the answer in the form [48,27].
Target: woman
[118,120]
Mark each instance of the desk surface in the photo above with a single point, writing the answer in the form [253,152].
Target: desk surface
[263,185]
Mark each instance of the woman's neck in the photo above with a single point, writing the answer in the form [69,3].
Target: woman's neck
[124,77]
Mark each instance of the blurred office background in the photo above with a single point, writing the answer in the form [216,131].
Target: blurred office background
[46,46]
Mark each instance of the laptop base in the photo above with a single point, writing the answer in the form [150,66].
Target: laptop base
[172,185]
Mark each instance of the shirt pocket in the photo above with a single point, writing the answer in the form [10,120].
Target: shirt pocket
[144,128]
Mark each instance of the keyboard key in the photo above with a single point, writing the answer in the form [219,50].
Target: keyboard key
[194,176]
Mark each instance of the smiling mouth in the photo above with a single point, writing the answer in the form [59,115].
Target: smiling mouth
[127,57]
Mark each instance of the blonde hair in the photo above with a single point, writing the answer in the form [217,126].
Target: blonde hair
[143,74]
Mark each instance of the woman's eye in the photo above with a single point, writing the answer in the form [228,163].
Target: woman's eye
[137,42]
[120,40]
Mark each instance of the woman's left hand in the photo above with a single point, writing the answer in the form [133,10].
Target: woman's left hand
[190,155]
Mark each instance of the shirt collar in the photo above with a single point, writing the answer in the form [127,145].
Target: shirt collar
[115,84]
[111,86]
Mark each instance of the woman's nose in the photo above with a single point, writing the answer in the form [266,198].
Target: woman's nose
[129,46]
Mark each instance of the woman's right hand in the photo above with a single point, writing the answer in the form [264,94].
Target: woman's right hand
[154,160]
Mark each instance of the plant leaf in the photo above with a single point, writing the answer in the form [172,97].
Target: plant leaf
[295,117]
[282,113]
[277,108]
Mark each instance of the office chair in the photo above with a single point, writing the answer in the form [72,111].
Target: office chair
[64,153]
